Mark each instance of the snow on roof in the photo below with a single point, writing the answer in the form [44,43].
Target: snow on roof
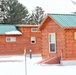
[13,32]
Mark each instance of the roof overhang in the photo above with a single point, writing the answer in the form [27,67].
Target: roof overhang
[69,27]
[8,29]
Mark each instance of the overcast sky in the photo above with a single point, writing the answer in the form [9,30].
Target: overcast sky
[50,6]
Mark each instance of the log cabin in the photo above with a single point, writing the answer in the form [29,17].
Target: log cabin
[58,37]
[15,38]
[55,36]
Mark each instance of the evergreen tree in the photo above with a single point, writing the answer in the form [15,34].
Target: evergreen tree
[1,13]
[15,13]
[37,15]
[31,20]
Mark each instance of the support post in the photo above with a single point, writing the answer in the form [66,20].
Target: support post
[25,62]
[30,54]
[61,52]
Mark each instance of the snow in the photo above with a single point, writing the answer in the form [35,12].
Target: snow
[15,65]
[13,32]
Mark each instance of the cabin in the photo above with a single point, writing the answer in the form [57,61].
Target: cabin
[58,37]
[54,37]
[15,38]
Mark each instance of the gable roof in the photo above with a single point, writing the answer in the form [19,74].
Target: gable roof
[9,29]
[64,20]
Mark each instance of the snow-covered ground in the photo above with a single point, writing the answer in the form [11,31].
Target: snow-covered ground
[15,65]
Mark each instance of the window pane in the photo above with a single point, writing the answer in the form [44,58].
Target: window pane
[13,39]
[34,29]
[75,35]
[33,40]
[52,38]
[10,39]
[52,47]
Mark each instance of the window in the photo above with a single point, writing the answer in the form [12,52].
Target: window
[10,39]
[75,35]
[33,29]
[33,40]
[52,42]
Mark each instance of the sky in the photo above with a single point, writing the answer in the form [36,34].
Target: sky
[50,6]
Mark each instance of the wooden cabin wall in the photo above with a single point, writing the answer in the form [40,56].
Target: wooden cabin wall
[52,27]
[22,41]
[70,44]
[11,48]
[26,35]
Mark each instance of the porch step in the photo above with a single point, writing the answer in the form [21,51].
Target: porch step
[53,60]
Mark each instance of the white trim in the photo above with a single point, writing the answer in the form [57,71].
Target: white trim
[35,40]
[74,35]
[49,42]
[11,39]
[23,25]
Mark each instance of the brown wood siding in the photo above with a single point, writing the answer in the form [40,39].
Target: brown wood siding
[52,27]
[9,48]
[22,41]
[70,44]
[27,34]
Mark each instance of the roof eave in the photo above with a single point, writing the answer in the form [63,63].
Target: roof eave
[27,25]
[40,27]
[69,27]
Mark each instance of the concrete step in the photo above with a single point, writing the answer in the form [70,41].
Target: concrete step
[34,55]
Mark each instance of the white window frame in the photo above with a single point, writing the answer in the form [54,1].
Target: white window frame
[74,35]
[32,29]
[33,38]
[52,43]
[12,39]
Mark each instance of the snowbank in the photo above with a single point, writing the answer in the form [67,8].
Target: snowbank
[18,68]
[13,32]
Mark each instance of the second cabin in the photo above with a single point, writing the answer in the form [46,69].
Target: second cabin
[58,33]
[55,36]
